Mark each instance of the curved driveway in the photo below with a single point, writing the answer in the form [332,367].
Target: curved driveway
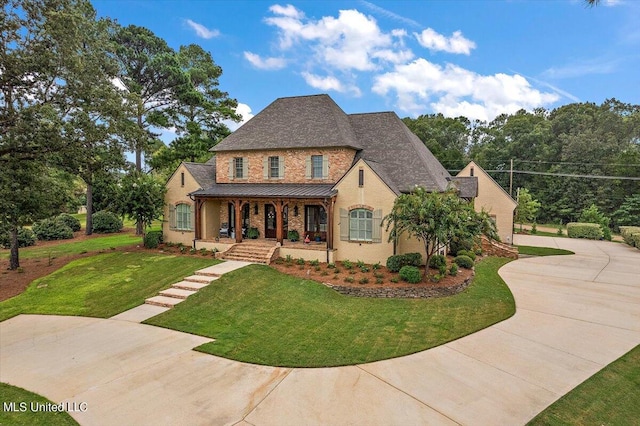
[575,314]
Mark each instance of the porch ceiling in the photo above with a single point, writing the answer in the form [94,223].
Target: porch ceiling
[267,190]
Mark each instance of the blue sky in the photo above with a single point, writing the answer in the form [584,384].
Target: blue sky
[473,58]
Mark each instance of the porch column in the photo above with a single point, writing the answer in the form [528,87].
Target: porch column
[330,223]
[279,225]
[198,225]
[237,204]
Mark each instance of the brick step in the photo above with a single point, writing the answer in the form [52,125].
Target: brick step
[178,293]
[164,301]
[257,256]
[249,251]
[246,258]
[199,278]
[189,285]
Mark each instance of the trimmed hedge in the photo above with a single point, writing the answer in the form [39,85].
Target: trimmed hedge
[590,231]
[26,238]
[410,274]
[69,220]
[463,261]
[105,222]
[396,262]
[52,229]
[631,235]
[469,253]
[437,261]
[152,239]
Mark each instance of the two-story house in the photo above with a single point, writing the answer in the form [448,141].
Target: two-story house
[304,164]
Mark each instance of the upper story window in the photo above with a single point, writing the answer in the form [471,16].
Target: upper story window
[273,167]
[238,168]
[317,167]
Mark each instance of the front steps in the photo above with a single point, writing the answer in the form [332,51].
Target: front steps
[250,252]
[179,291]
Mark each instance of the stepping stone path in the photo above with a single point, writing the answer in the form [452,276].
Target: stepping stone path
[179,291]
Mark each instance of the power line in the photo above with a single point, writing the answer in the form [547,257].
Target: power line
[527,172]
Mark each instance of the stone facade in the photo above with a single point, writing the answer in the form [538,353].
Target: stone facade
[340,160]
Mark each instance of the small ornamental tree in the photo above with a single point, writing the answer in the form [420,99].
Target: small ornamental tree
[593,215]
[432,218]
[527,207]
[141,197]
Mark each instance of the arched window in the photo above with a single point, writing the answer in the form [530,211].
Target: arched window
[183,217]
[361,225]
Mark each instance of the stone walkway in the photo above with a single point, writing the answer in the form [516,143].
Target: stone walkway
[575,314]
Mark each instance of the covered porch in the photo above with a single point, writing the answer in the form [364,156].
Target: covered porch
[231,213]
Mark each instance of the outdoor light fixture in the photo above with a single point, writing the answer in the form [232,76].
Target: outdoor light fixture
[255,209]
[295,210]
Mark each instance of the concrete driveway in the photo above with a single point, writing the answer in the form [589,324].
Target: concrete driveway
[575,314]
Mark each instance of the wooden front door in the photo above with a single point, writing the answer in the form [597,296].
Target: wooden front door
[269,221]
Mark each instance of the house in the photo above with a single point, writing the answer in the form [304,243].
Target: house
[304,164]
[493,199]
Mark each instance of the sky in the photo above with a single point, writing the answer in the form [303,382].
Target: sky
[472,58]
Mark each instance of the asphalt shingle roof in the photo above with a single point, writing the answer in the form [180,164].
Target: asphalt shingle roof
[204,174]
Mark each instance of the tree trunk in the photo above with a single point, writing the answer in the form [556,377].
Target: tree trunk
[139,228]
[89,219]
[14,260]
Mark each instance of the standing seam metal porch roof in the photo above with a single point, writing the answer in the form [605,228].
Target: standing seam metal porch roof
[267,190]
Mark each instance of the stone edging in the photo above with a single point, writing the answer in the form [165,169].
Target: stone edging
[407,292]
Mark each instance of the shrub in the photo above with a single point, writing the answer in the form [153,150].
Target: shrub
[379,281]
[560,233]
[105,222]
[293,235]
[469,253]
[464,261]
[152,239]
[395,262]
[26,238]
[69,220]
[288,258]
[364,280]
[413,259]
[253,233]
[460,244]
[376,266]
[395,280]
[378,275]
[50,229]
[410,274]
[359,263]
[347,264]
[453,269]
[443,270]
[534,228]
[300,261]
[314,262]
[317,268]
[436,261]
[590,231]
[331,265]
[629,234]
[349,279]
[364,268]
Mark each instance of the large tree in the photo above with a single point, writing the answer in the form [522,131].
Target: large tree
[38,59]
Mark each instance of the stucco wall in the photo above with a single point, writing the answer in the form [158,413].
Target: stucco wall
[307,254]
[340,160]
[375,194]
[494,200]
[176,193]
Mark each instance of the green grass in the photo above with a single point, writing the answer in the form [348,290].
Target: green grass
[18,395]
[261,316]
[128,222]
[70,247]
[102,285]
[609,397]
[542,251]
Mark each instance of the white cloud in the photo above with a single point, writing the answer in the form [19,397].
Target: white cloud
[245,111]
[328,83]
[392,15]
[288,10]
[433,40]
[611,3]
[422,85]
[201,30]
[580,68]
[266,63]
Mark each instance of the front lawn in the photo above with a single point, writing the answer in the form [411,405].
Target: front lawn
[71,247]
[259,315]
[542,251]
[609,397]
[102,285]
[9,394]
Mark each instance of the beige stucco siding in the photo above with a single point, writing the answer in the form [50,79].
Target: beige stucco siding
[494,200]
[295,165]
[177,193]
[374,194]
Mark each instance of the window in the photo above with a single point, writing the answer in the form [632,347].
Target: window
[182,179]
[239,168]
[183,217]
[316,166]
[361,225]
[274,167]
[360,178]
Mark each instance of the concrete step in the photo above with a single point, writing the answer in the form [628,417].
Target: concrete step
[200,278]
[190,285]
[167,302]
[178,293]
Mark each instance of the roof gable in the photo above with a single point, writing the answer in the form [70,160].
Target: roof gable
[476,168]
[203,174]
[297,122]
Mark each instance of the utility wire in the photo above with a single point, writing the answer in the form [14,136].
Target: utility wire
[527,172]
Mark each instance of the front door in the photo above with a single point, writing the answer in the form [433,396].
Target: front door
[269,221]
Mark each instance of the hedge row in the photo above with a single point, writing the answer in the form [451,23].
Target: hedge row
[26,238]
[396,262]
[590,231]
[631,235]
